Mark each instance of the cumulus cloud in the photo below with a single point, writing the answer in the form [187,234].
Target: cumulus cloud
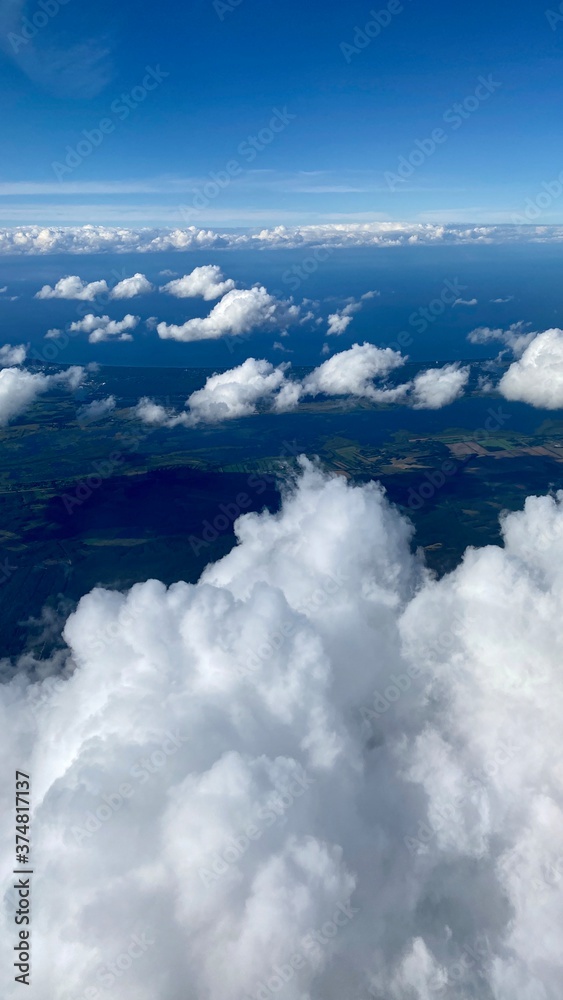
[72,287]
[360,372]
[138,284]
[438,387]
[101,328]
[465,302]
[100,239]
[339,321]
[537,377]
[207,282]
[352,372]
[317,770]
[225,396]
[96,410]
[516,337]
[238,313]
[12,355]
[19,388]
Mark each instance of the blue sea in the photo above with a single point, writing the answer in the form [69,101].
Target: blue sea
[409,279]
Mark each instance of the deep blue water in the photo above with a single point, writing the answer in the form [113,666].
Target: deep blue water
[409,278]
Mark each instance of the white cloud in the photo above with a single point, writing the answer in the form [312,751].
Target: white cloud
[138,284]
[72,287]
[465,302]
[359,373]
[438,387]
[339,321]
[19,388]
[101,328]
[207,281]
[96,410]
[225,396]
[12,355]
[100,239]
[239,312]
[421,719]
[516,337]
[352,372]
[537,377]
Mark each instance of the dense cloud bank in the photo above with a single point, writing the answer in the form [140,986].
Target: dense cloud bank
[100,239]
[316,773]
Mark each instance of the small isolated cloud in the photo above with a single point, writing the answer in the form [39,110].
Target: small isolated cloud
[339,321]
[465,302]
[206,282]
[537,377]
[101,328]
[508,298]
[239,312]
[438,387]
[12,355]
[351,373]
[138,284]
[72,287]
[516,338]
[96,410]
[53,334]
[20,388]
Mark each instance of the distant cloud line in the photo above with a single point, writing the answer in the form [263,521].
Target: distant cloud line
[105,239]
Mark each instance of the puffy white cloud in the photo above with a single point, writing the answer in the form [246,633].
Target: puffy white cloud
[465,302]
[238,313]
[12,355]
[537,377]
[138,284]
[352,372]
[339,321]
[72,287]
[98,239]
[515,337]
[438,387]
[101,328]
[225,396]
[96,410]
[20,388]
[207,281]
[317,768]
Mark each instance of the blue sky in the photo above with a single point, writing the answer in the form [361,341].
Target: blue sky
[348,106]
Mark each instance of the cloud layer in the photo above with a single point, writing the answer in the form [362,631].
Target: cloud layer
[359,373]
[101,239]
[317,772]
